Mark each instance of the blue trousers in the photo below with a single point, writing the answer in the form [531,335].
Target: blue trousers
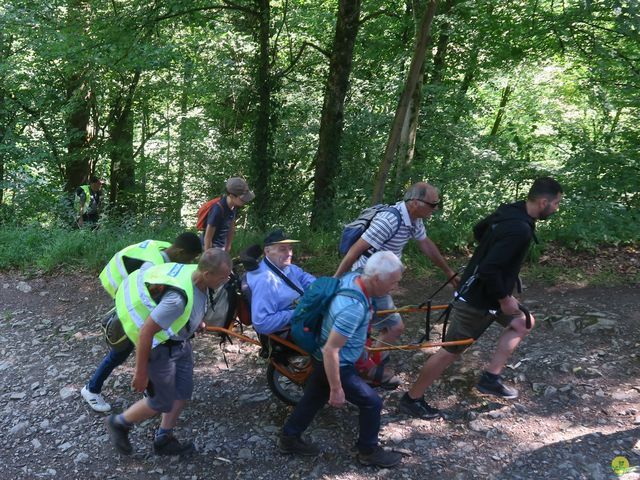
[112,360]
[356,391]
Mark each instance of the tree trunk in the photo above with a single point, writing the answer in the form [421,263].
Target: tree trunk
[332,117]
[122,194]
[405,152]
[78,111]
[401,112]
[407,145]
[439,59]
[7,119]
[506,92]
[261,161]
[143,156]
[610,134]
[469,74]
[183,145]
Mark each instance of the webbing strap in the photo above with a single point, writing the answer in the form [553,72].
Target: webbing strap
[284,278]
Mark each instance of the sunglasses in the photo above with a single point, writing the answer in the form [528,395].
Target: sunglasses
[432,205]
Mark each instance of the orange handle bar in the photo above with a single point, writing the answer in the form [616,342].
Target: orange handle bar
[244,338]
[411,309]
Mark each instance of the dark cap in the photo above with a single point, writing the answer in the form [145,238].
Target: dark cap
[278,236]
[238,186]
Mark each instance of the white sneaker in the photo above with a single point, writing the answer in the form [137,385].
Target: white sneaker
[95,400]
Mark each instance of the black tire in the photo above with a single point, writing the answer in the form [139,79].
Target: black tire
[282,387]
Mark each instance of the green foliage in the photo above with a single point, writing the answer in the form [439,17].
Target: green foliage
[572,70]
[45,249]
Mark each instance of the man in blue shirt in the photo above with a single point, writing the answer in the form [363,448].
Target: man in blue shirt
[334,379]
[272,297]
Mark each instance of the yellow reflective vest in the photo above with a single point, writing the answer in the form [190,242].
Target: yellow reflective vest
[114,273]
[87,199]
[134,302]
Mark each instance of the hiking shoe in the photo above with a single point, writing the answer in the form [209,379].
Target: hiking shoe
[169,445]
[295,444]
[494,386]
[417,408]
[119,435]
[95,400]
[380,458]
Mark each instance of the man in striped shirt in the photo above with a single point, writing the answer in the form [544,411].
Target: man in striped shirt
[390,231]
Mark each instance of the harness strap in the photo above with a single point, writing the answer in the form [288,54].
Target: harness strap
[284,278]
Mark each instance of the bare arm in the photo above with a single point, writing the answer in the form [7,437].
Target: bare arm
[208,236]
[331,359]
[431,250]
[230,235]
[509,305]
[352,255]
[143,349]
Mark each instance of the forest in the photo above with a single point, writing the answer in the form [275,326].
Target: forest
[324,106]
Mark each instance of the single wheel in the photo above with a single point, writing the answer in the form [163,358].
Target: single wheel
[290,386]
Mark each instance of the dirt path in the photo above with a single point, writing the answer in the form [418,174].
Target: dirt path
[579,408]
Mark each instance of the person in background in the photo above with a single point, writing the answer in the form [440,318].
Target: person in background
[89,201]
[221,220]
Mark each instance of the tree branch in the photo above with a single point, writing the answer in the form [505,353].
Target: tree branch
[377,14]
[277,36]
[228,5]
[295,60]
[603,28]
[47,134]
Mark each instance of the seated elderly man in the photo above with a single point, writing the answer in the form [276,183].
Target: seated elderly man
[276,285]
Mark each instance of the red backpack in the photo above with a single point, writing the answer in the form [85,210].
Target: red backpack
[203,213]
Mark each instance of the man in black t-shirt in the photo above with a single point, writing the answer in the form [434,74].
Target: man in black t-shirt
[221,221]
[485,295]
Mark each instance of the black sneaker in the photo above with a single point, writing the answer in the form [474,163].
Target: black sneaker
[417,408]
[380,458]
[119,435]
[169,445]
[295,444]
[494,386]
